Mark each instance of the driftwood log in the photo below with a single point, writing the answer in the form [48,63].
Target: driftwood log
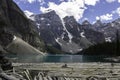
[7,77]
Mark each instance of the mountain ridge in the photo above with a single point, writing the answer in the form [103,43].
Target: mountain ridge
[49,30]
[55,31]
[13,22]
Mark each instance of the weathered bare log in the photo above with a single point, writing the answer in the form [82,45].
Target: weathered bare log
[7,77]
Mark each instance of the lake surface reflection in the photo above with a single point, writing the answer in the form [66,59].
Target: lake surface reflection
[62,58]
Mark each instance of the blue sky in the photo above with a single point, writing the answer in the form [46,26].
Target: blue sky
[91,10]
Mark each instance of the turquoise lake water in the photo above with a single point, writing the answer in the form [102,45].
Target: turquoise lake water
[62,58]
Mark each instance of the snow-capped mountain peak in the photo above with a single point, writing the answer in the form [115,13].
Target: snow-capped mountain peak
[66,32]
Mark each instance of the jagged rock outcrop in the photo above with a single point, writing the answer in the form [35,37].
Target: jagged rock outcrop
[14,22]
[109,29]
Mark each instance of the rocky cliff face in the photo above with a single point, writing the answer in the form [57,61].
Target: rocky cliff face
[66,34]
[14,22]
[109,29]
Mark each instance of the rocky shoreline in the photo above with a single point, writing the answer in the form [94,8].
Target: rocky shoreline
[68,71]
[62,71]
[115,59]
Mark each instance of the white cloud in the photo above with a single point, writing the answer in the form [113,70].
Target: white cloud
[41,2]
[110,1]
[71,8]
[74,8]
[29,1]
[97,18]
[119,1]
[117,11]
[32,1]
[61,0]
[91,2]
[105,17]
[85,19]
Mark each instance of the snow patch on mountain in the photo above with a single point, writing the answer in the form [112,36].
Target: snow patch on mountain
[57,40]
[14,38]
[71,26]
[68,47]
[78,28]
[38,25]
[112,24]
[63,35]
[82,34]
[48,24]
[108,39]
[80,49]
[69,34]
[32,18]
[29,15]
[42,18]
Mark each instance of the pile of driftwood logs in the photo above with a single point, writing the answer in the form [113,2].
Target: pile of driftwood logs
[6,69]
